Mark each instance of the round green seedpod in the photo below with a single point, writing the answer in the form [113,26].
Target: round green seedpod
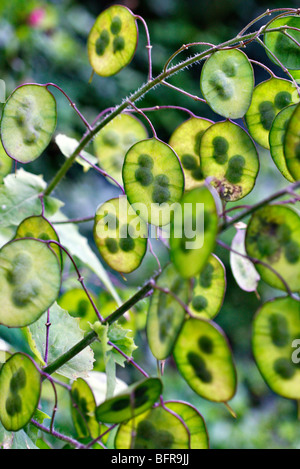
[185,141]
[5,163]
[134,401]
[276,140]
[204,359]
[276,326]
[112,41]
[77,304]
[166,315]
[156,429]
[292,144]
[209,289]
[114,140]
[193,231]
[195,422]
[120,235]
[229,157]
[269,98]
[28,122]
[296,75]
[273,236]
[284,48]
[20,385]
[30,279]
[227,82]
[153,180]
[40,228]
[83,406]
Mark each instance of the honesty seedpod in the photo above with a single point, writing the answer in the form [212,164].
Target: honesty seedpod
[276,326]
[276,139]
[204,359]
[283,47]
[77,304]
[5,163]
[112,143]
[227,82]
[209,289]
[193,231]
[120,235]
[155,429]
[166,315]
[20,384]
[134,401]
[185,141]
[269,98]
[83,407]
[153,180]
[40,228]
[229,156]
[30,279]
[273,236]
[28,122]
[112,41]
[292,144]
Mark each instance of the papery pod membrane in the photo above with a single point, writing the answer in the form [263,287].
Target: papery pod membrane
[155,429]
[273,236]
[185,141]
[204,359]
[28,122]
[5,163]
[30,279]
[134,401]
[194,421]
[276,326]
[193,231]
[280,45]
[153,180]
[166,315]
[277,138]
[243,270]
[114,140]
[227,82]
[229,157]
[83,406]
[120,235]
[292,144]
[40,228]
[77,304]
[20,385]
[269,98]
[112,41]
[209,289]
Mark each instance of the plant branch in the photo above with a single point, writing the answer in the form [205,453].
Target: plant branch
[58,435]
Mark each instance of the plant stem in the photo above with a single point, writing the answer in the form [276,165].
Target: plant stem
[60,436]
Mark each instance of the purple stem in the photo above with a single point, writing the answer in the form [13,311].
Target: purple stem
[48,325]
[148,46]
[102,113]
[129,359]
[178,418]
[144,115]
[104,173]
[154,255]
[96,440]
[186,93]
[160,108]
[263,66]
[58,435]
[169,292]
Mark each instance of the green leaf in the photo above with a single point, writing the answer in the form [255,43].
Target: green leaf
[19,440]
[122,339]
[64,334]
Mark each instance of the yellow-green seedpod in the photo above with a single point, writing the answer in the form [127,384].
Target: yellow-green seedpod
[83,407]
[276,337]
[77,304]
[112,41]
[273,237]
[269,98]
[20,385]
[166,315]
[30,279]
[292,144]
[229,157]
[5,163]
[277,137]
[227,82]
[120,235]
[283,47]
[155,429]
[185,141]
[153,180]
[204,359]
[28,122]
[209,289]
[114,140]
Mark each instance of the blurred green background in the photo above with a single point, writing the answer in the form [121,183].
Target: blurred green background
[46,42]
